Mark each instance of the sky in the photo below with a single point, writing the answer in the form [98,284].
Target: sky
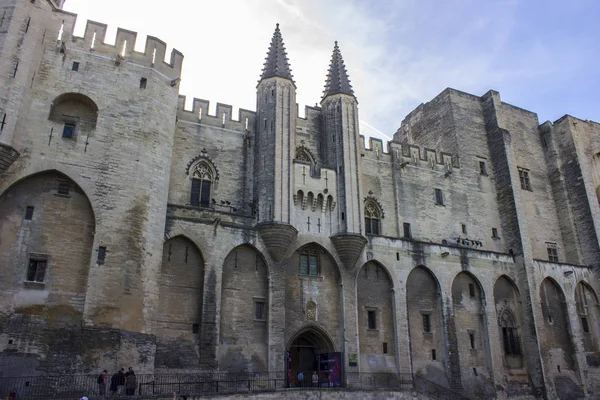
[540,55]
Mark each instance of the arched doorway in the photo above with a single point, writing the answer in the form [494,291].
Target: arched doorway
[312,350]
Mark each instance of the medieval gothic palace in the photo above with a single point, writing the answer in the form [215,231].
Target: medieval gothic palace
[136,232]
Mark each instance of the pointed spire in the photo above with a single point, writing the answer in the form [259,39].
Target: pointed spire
[337,76]
[277,63]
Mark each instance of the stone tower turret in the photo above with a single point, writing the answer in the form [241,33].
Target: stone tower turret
[275,138]
[340,144]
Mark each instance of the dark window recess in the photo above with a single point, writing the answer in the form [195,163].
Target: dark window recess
[433,355]
[101,254]
[75,66]
[584,325]
[63,189]
[482,168]
[550,320]
[195,328]
[143,83]
[464,228]
[385,348]
[36,271]
[475,371]
[372,317]
[471,290]
[495,233]
[371,226]
[524,177]
[426,323]
[511,341]
[558,368]
[407,233]
[472,340]
[259,308]
[68,131]
[343,216]
[309,264]
[200,195]
[552,254]
[29,213]
[397,256]
[439,197]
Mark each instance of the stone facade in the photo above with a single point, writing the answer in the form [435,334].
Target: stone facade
[136,232]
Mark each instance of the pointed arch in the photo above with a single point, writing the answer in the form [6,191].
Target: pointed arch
[315,333]
[180,304]
[508,313]
[75,110]
[588,313]
[203,178]
[376,318]
[245,309]
[373,215]
[475,291]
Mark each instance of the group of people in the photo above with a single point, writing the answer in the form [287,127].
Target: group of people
[119,382]
[314,379]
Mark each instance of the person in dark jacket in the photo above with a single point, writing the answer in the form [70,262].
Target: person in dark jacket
[130,382]
[120,380]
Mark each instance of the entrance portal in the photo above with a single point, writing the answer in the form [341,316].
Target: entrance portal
[312,351]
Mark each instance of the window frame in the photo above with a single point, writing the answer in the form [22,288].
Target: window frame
[482,168]
[372,319]
[37,259]
[260,310]
[373,217]
[73,130]
[407,230]
[427,326]
[552,250]
[525,179]
[202,185]
[312,269]
[439,197]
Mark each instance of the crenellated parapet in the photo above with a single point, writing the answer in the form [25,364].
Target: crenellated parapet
[222,119]
[122,51]
[409,154]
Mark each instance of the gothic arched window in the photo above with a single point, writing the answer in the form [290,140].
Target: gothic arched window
[202,185]
[510,335]
[372,219]
[309,262]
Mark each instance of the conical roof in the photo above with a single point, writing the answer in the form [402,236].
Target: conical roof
[277,63]
[337,76]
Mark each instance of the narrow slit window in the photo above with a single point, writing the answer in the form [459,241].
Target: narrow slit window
[439,197]
[259,310]
[372,319]
[482,168]
[471,290]
[495,233]
[472,340]
[585,325]
[463,228]
[29,213]
[407,233]
[433,355]
[195,328]
[143,83]
[427,323]
[101,254]
[385,348]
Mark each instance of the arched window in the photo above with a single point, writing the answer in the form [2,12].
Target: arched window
[372,219]
[202,182]
[309,262]
[510,336]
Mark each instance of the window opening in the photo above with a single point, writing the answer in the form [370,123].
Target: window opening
[397,256]
[143,83]
[101,254]
[15,70]
[495,233]
[385,348]
[195,328]
[201,186]
[463,228]
[372,319]
[482,168]
[524,177]
[68,131]
[552,253]
[510,339]
[439,198]
[372,218]
[75,66]
[27,24]
[475,371]
[471,290]
[309,262]
[433,355]
[407,233]
[29,213]
[36,271]
[259,310]
[63,189]
[472,340]
[584,325]
[426,323]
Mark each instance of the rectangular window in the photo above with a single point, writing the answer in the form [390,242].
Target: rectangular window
[69,131]
[472,340]
[552,253]
[101,254]
[372,319]
[29,213]
[195,328]
[312,267]
[584,325]
[464,228]
[36,271]
[524,177]
[427,323]
[259,310]
[195,194]
[75,66]
[385,348]
[495,233]
[439,198]
[482,168]
[471,290]
[397,256]
[205,194]
[433,355]
[303,264]
[143,83]
[63,189]
[407,233]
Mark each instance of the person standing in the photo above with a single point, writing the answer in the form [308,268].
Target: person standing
[120,380]
[130,382]
[315,379]
[300,379]
[102,383]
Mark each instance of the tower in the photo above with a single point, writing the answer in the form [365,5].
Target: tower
[275,138]
[340,146]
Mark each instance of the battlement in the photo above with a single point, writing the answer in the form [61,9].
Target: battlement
[123,50]
[222,119]
[408,154]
